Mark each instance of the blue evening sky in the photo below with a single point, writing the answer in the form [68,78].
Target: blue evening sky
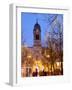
[28,20]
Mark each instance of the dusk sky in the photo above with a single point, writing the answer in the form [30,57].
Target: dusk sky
[28,20]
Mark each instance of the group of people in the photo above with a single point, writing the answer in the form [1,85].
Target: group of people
[40,73]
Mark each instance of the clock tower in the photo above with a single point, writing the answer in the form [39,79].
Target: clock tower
[37,34]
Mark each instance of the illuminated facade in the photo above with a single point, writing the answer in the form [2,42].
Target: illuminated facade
[36,60]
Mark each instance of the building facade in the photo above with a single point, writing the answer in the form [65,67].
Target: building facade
[36,60]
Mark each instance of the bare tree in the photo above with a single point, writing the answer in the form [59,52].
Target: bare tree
[54,41]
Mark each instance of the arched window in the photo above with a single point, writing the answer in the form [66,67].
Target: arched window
[37,36]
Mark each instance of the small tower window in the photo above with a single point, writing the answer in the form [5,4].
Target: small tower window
[37,37]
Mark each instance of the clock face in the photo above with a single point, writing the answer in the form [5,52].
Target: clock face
[37,31]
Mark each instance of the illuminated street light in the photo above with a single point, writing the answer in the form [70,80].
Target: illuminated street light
[29,56]
[58,64]
[48,56]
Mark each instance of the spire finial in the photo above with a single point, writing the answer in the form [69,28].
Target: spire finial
[37,20]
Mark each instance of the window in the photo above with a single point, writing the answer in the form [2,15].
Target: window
[37,37]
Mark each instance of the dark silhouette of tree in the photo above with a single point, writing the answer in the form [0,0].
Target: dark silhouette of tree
[54,41]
